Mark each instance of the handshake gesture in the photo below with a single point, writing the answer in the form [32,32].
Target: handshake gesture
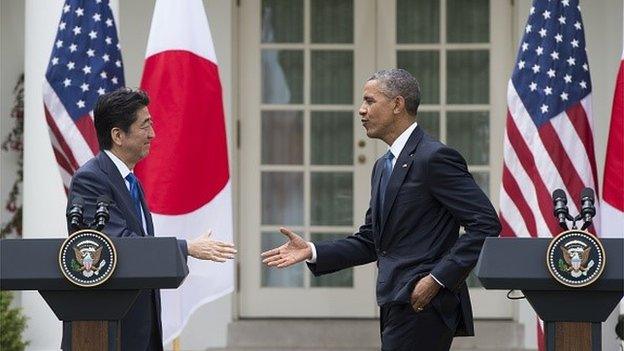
[295,250]
[205,248]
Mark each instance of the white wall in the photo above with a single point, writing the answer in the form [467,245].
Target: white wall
[11,66]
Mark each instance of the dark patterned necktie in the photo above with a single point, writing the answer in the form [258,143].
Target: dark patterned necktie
[386,172]
[135,193]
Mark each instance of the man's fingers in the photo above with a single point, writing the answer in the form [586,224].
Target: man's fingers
[227,249]
[285,263]
[278,263]
[272,259]
[271,252]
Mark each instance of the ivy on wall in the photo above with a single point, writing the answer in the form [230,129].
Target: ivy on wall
[14,142]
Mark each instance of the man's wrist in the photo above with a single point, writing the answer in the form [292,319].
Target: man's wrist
[436,280]
[312,259]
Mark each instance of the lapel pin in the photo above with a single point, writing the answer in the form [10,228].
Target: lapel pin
[404,165]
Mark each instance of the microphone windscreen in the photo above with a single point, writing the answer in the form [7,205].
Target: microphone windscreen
[588,192]
[559,194]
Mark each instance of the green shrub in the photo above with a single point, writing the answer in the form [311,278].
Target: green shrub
[12,324]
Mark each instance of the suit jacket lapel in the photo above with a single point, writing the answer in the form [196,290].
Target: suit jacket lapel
[400,170]
[376,210]
[108,167]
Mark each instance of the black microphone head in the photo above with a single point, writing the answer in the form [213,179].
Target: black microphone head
[560,195]
[588,193]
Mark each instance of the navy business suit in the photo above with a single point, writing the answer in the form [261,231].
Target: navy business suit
[99,176]
[415,232]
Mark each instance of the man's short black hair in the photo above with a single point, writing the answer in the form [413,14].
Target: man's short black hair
[397,81]
[117,109]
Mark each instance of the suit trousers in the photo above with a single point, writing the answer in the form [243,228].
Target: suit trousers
[403,329]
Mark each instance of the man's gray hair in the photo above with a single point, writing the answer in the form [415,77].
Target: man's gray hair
[395,82]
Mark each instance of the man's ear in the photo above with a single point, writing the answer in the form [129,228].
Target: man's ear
[116,136]
[399,105]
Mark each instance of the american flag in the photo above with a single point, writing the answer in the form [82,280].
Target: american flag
[548,141]
[85,63]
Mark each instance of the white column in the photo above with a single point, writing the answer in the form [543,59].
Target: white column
[44,198]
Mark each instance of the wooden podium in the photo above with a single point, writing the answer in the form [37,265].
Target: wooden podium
[572,316]
[94,313]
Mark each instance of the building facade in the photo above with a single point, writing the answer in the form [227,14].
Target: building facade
[292,73]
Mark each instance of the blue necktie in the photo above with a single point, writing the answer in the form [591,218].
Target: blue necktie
[135,193]
[386,172]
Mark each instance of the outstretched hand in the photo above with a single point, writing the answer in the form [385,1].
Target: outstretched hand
[204,248]
[294,251]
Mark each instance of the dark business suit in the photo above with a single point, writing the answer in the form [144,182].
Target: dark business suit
[416,232]
[141,329]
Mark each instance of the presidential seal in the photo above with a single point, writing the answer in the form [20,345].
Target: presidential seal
[575,258]
[87,258]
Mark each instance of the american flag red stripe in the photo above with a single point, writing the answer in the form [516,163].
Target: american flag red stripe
[548,141]
[60,145]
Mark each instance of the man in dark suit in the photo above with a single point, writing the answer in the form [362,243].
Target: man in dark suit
[124,130]
[421,193]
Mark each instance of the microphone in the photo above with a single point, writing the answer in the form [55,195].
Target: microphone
[588,211]
[74,215]
[101,214]
[560,209]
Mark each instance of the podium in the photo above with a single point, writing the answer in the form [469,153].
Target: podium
[572,316]
[94,313]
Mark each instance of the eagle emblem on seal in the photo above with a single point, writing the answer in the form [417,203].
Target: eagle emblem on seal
[87,260]
[576,258]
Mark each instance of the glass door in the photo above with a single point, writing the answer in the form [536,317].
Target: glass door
[305,159]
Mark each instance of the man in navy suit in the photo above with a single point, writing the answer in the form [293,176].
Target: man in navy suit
[124,131]
[421,193]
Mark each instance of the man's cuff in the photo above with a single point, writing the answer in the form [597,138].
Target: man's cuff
[313,248]
[437,281]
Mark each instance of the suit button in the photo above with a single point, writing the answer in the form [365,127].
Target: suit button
[384,252]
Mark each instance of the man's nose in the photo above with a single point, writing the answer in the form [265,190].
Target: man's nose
[362,111]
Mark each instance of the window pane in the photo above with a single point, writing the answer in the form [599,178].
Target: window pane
[332,198]
[332,77]
[468,21]
[282,21]
[282,137]
[469,133]
[483,179]
[282,198]
[425,66]
[468,77]
[343,278]
[332,138]
[418,21]
[430,123]
[282,76]
[332,21]
[279,277]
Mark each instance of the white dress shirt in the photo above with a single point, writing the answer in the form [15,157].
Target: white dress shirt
[124,170]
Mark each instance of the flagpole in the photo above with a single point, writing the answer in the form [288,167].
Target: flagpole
[176,344]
